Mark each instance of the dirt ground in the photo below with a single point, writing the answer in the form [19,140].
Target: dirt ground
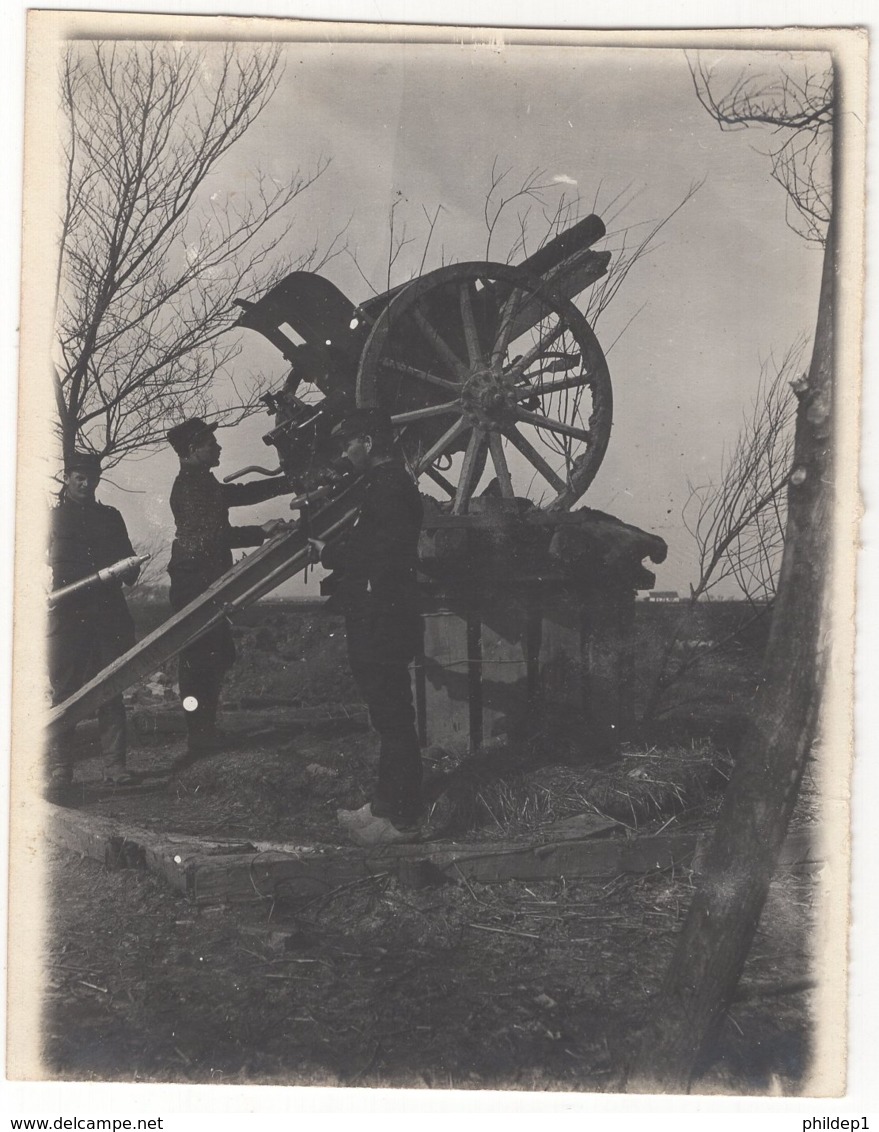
[518,985]
[459,985]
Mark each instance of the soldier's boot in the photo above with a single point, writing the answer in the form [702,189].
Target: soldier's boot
[202,738]
[114,743]
[372,831]
[58,785]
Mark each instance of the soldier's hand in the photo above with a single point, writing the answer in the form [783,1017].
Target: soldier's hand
[315,549]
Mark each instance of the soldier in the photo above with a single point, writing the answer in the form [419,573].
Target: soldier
[91,627]
[201,553]
[374,584]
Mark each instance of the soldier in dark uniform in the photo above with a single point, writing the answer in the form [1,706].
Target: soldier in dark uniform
[89,628]
[201,553]
[375,585]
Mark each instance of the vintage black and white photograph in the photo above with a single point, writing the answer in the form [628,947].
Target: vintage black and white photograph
[437,501]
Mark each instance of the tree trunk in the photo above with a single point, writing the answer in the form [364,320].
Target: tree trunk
[717,935]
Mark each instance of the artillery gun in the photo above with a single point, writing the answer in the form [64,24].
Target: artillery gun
[475,362]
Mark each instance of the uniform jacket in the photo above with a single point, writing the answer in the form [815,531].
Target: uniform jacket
[83,538]
[205,538]
[375,564]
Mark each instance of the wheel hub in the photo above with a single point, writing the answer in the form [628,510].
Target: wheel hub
[488,400]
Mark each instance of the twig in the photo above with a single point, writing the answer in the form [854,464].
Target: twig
[467,885]
[92,986]
[342,888]
[67,967]
[586,916]
[503,931]
[481,798]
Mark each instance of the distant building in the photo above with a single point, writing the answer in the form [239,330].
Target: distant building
[663,595]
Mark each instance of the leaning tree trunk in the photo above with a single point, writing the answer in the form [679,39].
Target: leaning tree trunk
[717,934]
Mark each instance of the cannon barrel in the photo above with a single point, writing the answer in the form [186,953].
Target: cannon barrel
[575,239]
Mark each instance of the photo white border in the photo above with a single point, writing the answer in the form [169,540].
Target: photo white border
[862,1091]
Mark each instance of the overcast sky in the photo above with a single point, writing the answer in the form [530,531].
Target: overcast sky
[727,284]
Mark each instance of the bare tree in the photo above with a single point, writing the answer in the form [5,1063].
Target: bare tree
[539,209]
[521,217]
[796,104]
[722,920]
[152,249]
[738,524]
[758,803]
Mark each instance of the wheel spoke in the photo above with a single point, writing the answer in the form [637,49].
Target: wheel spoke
[496,448]
[518,370]
[426,413]
[506,324]
[535,459]
[439,479]
[440,446]
[442,348]
[554,425]
[470,470]
[474,350]
[421,374]
[525,392]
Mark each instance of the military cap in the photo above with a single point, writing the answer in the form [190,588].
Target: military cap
[89,462]
[182,437]
[363,422]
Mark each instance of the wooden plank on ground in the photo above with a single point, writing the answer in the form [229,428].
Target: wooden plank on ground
[216,871]
[210,872]
[802,846]
[105,840]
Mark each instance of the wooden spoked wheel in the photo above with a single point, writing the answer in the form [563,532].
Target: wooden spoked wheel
[482,360]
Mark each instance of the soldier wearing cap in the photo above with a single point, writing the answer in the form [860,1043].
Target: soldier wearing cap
[200,554]
[374,583]
[90,628]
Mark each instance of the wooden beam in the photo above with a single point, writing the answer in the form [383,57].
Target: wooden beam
[252,577]
[219,871]
[209,872]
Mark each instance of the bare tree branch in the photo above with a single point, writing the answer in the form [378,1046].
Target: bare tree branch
[523,217]
[797,106]
[152,252]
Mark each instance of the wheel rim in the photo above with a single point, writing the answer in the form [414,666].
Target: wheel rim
[484,368]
